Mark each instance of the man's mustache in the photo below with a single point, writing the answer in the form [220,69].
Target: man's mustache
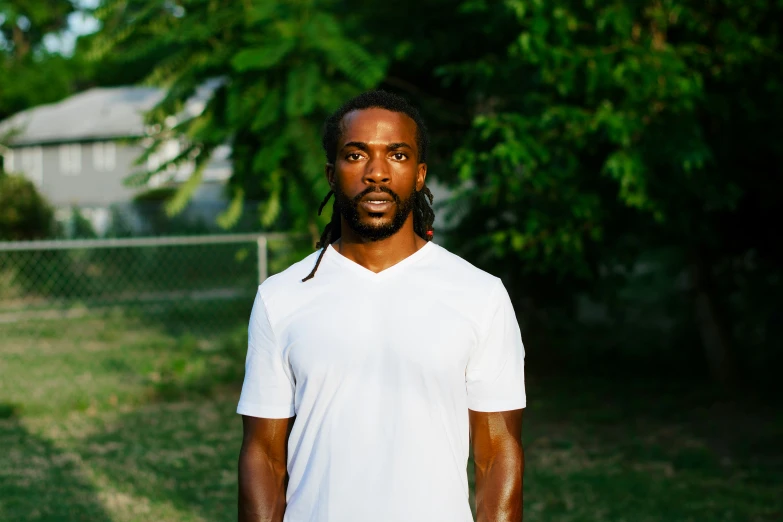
[376,188]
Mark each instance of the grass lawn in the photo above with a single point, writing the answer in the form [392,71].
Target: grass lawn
[118,419]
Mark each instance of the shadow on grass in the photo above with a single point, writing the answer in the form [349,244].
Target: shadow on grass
[610,449]
[39,481]
[209,318]
[179,457]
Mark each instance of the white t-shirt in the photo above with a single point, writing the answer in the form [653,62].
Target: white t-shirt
[380,371]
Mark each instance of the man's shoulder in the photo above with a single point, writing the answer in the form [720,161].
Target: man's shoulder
[290,278]
[455,268]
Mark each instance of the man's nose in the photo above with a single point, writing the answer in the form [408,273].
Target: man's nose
[376,171]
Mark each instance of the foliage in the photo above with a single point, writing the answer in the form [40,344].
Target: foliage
[580,122]
[605,130]
[43,79]
[612,120]
[24,213]
[25,23]
[79,227]
[29,74]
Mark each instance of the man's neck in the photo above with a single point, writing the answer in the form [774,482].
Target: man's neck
[377,256]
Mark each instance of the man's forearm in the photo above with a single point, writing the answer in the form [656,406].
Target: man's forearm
[499,487]
[262,485]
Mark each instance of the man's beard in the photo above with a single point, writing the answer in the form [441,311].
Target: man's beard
[349,209]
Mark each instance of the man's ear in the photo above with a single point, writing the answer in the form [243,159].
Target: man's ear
[421,176]
[329,171]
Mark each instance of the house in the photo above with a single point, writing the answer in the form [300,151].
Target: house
[80,150]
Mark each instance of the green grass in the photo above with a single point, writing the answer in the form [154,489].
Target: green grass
[127,419]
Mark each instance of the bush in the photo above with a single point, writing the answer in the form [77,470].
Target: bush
[24,212]
[79,226]
[150,206]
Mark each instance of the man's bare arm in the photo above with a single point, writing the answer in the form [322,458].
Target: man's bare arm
[500,462]
[262,469]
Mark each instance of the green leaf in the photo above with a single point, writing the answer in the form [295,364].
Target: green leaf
[268,110]
[184,192]
[259,58]
[231,215]
[302,86]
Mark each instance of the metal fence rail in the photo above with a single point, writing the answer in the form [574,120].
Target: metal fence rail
[70,244]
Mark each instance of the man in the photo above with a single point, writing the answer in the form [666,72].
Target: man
[373,363]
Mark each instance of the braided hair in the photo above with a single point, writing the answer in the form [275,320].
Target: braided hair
[423,215]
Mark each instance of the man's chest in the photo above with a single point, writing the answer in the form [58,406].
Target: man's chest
[346,335]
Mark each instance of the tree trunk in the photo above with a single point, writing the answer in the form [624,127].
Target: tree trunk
[713,329]
[21,45]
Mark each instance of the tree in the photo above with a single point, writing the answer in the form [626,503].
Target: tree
[577,134]
[620,126]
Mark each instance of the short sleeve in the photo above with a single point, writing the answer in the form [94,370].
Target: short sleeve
[495,375]
[268,389]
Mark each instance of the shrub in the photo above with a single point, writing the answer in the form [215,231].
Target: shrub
[24,212]
[79,226]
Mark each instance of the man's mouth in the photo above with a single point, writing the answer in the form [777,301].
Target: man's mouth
[376,202]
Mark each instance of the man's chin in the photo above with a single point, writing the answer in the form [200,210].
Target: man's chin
[376,221]
[375,230]
[376,226]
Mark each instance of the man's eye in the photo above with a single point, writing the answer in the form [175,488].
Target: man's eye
[399,156]
[354,156]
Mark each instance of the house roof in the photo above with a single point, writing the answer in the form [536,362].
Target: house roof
[95,114]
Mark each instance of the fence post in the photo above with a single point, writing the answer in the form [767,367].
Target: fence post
[262,258]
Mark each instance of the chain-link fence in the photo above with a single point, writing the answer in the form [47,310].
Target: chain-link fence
[189,284]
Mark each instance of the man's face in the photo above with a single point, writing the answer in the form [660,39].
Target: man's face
[376,172]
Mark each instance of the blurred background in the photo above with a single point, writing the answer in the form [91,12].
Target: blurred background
[617,163]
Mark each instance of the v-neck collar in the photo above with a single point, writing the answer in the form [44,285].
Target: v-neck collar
[337,257]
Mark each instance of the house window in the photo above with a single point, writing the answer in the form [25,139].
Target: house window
[31,164]
[104,156]
[71,159]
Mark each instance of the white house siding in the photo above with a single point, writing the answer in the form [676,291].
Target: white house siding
[72,177]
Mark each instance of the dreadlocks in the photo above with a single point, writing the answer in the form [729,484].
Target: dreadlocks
[423,215]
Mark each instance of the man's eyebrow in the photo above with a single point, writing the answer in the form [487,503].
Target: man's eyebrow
[400,145]
[363,146]
[356,145]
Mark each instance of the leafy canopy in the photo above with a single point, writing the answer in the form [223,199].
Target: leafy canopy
[29,74]
[604,122]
